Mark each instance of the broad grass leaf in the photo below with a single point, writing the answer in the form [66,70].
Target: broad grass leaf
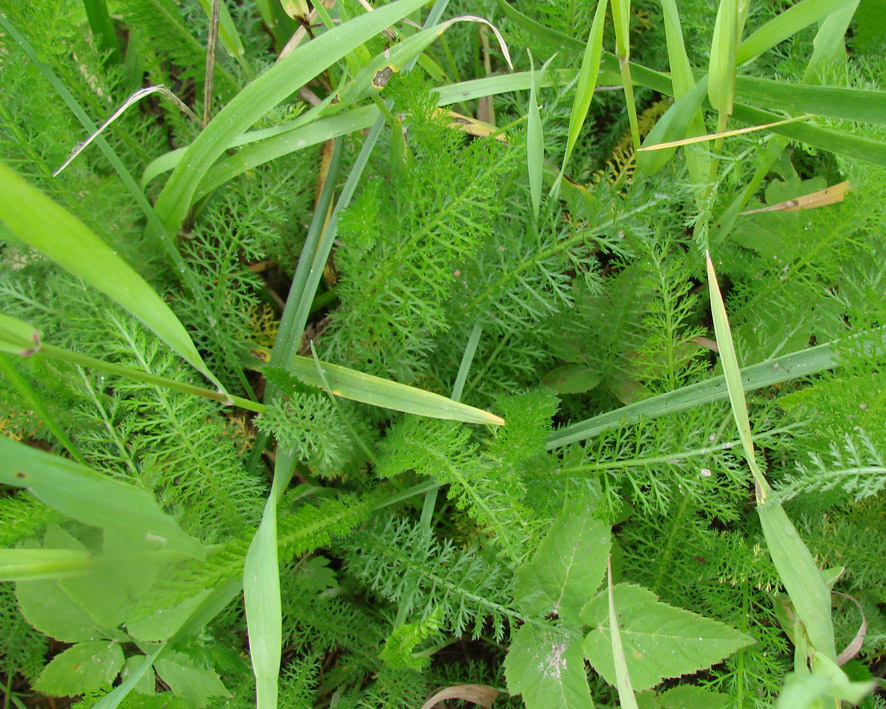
[535,143]
[546,666]
[63,238]
[673,125]
[622,675]
[84,495]
[659,641]
[721,69]
[81,668]
[567,568]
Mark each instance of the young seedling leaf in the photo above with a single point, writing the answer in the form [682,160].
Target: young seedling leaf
[546,666]
[659,641]
[63,238]
[567,567]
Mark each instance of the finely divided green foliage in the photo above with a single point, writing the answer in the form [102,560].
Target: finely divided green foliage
[398,553]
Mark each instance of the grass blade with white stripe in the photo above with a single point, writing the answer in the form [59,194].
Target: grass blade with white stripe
[59,235]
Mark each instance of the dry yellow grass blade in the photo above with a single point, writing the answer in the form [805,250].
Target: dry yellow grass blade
[724,134]
[821,198]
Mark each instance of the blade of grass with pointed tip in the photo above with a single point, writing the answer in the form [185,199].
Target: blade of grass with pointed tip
[539,31]
[227,31]
[721,69]
[535,143]
[796,568]
[260,96]
[828,45]
[774,371]
[621,18]
[103,33]
[849,104]
[786,25]
[622,677]
[86,496]
[350,384]
[63,238]
[587,80]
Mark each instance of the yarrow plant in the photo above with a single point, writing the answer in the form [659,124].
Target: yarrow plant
[351,358]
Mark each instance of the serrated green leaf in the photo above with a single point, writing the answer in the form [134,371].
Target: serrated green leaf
[572,378]
[51,611]
[193,684]
[659,641]
[567,568]
[546,666]
[81,668]
[145,684]
[160,624]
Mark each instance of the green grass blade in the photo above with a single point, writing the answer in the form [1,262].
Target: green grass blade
[796,568]
[350,384]
[286,144]
[732,373]
[35,403]
[786,25]
[102,27]
[541,32]
[828,45]
[587,80]
[227,31]
[849,104]
[263,94]
[721,69]
[535,144]
[838,142]
[63,238]
[261,592]
[621,17]
[774,371]
[675,124]
[86,496]
[622,677]
[33,564]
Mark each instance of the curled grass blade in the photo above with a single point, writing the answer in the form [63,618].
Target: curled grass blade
[33,564]
[621,17]
[260,96]
[670,128]
[796,568]
[63,238]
